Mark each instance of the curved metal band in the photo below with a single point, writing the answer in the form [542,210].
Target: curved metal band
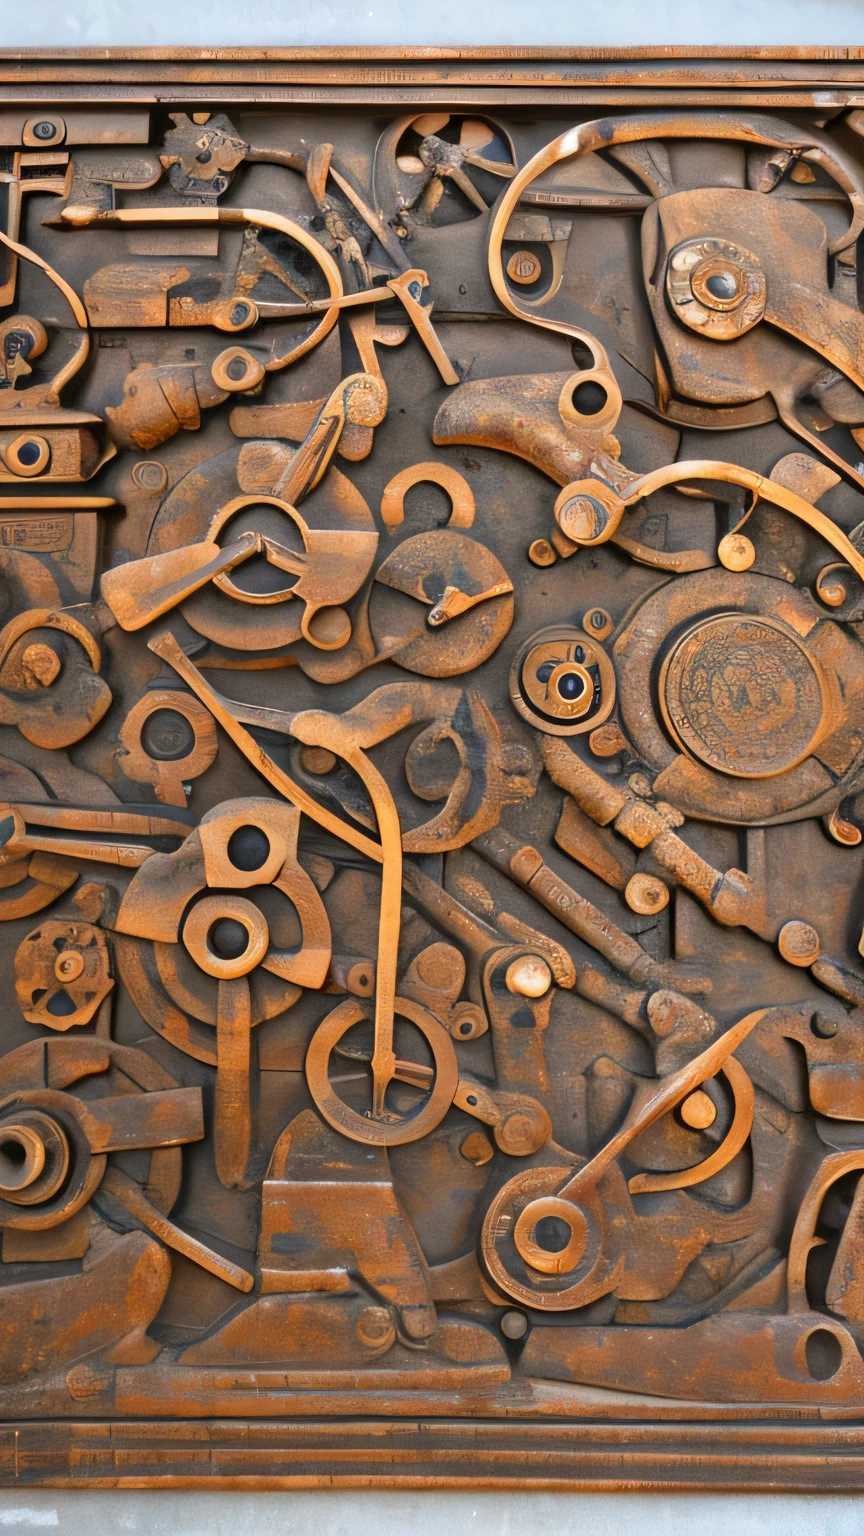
[82,352]
[769,490]
[81,218]
[730,1146]
[603,133]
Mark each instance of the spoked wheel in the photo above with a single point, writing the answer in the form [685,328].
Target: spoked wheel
[422,1086]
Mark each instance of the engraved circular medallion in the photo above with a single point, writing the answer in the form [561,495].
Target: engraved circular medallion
[743,695]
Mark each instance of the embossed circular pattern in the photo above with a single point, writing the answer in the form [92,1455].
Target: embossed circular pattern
[743,695]
[563,682]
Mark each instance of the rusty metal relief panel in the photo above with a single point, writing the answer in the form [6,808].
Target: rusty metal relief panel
[432,766]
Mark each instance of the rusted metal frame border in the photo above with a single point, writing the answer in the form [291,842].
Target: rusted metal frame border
[603,1455]
[586,102]
[471,77]
[455,96]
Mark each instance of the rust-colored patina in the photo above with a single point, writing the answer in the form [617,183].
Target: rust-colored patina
[432,768]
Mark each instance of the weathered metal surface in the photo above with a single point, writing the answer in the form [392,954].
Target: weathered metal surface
[432,769]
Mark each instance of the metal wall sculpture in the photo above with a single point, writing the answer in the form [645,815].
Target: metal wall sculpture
[432,772]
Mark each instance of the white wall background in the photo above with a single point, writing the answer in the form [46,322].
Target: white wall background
[283,23]
[417,1514]
[67,23]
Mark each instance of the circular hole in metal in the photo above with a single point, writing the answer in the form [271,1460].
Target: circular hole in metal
[552,1234]
[823,1353]
[257,575]
[167,736]
[228,939]
[589,398]
[570,686]
[722,285]
[19,1160]
[824,1026]
[248,848]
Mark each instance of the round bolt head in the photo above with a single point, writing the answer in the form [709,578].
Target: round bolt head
[441,966]
[607,740]
[374,1328]
[69,965]
[529,976]
[798,943]
[580,518]
[541,553]
[318,760]
[698,1111]
[597,622]
[736,552]
[646,894]
[524,267]
[514,1325]
[477,1149]
[641,785]
[360,980]
[41,662]
[523,1130]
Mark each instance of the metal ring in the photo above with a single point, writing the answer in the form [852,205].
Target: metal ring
[361,1127]
[212,909]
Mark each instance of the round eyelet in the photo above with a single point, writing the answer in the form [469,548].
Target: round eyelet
[27,455]
[591,400]
[234,314]
[236,369]
[715,287]
[226,936]
[563,682]
[43,132]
